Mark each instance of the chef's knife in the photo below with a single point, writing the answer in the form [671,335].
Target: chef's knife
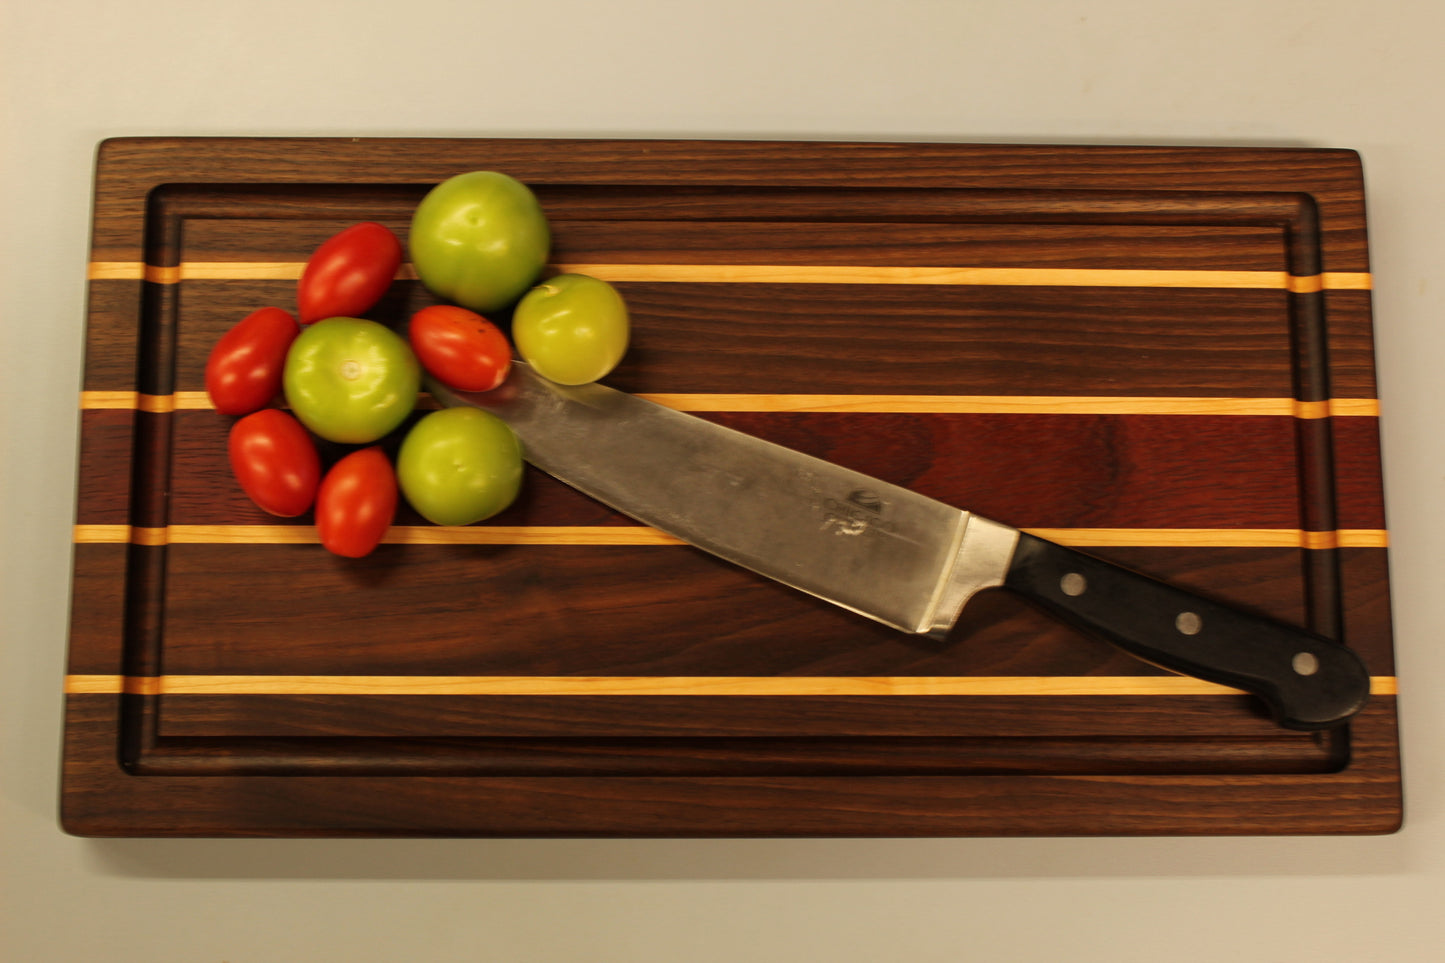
[894,555]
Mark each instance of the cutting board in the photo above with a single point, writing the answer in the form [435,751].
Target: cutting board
[1160,355]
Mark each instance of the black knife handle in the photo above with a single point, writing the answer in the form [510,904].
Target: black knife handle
[1308,681]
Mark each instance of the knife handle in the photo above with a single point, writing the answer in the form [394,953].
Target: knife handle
[1308,681]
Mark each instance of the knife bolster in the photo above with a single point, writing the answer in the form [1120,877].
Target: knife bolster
[981,560]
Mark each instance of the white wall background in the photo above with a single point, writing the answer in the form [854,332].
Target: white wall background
[1319,73]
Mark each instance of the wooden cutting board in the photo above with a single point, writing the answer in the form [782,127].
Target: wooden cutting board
[1162,355]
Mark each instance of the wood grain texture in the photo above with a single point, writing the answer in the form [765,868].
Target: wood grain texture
[1164,354]
[250,801]
[1126,471]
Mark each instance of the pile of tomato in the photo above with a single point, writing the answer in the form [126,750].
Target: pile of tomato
[478,241]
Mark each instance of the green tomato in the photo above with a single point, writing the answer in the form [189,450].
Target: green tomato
[460,465]
[480,240]
[573,329]
[351,380]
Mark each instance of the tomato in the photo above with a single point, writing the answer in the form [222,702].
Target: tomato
[460,465]
[351,380]
[275,461]
[573,329]
[356,503]
[480,240]
[460,348]
[243,372]
[348,273]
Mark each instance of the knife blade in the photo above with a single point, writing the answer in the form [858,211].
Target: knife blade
[891,554]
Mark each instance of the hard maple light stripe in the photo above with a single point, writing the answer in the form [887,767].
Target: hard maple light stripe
[209,271]
[576,535]
[136,400]
[617,535]
[1215,537]
[177,685]
[792,274]
[1018,404]
[973,276]
[883,404]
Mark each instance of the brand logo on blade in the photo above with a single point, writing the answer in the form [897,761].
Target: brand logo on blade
[860,513]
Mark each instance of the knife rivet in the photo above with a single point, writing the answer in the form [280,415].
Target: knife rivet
[1305,663]
[1189,623]
[1073,584]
